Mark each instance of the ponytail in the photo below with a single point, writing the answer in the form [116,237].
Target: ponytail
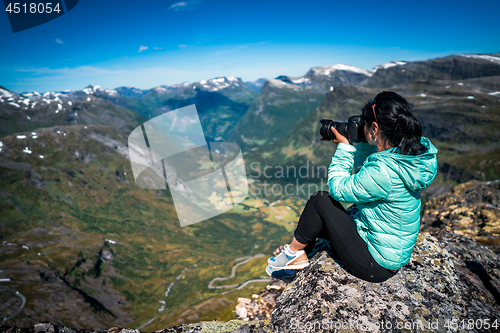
[398,124]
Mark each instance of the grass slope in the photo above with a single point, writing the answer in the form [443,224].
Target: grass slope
[64,206]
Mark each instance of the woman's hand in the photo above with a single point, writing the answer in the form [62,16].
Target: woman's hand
[339,137]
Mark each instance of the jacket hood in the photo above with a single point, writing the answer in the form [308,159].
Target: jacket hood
[416,172]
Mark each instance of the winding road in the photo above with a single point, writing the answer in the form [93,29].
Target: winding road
[233,272]
[23,302]
[210,286]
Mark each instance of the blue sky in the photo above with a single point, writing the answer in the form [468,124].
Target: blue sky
[150,43]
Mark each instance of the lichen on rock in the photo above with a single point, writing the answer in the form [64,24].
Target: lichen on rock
[431,290]
[471,209]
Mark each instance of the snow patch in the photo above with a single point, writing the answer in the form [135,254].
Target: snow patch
[483,57]
[301,80]
[21,137]
[14,104]
[5,93]
[326,70]
[281,84]
[470,97]
[26,150]
[389,65]
[494,93]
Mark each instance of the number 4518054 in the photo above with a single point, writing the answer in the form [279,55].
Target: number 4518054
[32,8]
[464,324]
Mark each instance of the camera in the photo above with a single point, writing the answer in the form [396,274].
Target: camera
[352,130]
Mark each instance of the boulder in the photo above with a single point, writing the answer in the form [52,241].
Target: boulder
[471,209]
[450,281]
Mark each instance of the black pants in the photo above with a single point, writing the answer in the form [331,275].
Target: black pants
[324,217]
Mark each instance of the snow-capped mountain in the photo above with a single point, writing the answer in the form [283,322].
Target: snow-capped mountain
[461,66]
[30,100]
[72,95]
[220,102]
[218,84]
[495,58]
[333,69]
[4,93]
[93,88]
[325,78]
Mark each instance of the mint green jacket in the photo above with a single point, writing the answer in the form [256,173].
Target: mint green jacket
[386,188]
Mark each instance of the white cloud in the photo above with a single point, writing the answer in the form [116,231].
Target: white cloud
[231,50]
[157,48]
[142,48]
[185,5]
[59,41]
[81,70]
[178,5]
[182,46]
[241,47]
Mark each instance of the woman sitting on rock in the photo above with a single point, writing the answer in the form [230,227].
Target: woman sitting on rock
[376,236]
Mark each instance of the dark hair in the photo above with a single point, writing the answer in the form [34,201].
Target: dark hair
[396,121]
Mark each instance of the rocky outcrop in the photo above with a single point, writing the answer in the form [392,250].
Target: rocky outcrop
[471,209]
[445,280]
[261,305]
[234,326]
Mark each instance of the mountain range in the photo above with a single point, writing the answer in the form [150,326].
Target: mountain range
[80,237]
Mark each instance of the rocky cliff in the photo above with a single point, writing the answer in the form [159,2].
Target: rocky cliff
[452,283]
